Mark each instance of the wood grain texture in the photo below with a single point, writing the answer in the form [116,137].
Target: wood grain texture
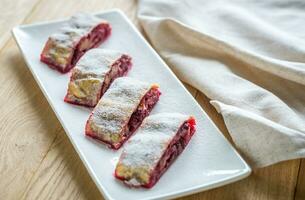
[272,183]
[27,128]
[61,175]
[49,10]
[37,159]
[192,90]
[13,13]
[300,189]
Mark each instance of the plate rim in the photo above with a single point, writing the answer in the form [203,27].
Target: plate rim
[196,189]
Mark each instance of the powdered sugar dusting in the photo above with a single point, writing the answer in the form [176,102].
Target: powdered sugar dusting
[115,108]
[89,75]
[145,148]
[134,182]
[96,62]
[84,20]
[78,26]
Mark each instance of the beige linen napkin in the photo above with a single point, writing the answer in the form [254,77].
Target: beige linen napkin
[248,57]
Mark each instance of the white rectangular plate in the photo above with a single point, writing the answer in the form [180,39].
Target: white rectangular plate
[208,161]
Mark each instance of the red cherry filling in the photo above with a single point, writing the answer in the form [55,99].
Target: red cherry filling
[177,145]
[92,40]
[89,41]
[146,105]
[118,69]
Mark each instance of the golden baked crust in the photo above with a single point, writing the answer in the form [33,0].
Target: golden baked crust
[93,74]
[110,117]
[143,152]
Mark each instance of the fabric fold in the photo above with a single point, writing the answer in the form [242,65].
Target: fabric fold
[256,135]
[248,62]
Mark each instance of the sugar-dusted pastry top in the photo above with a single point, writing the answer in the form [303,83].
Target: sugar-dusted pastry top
[95,63]
[115,108]
[78,26]
[89,73]
[143,150]
[82,32]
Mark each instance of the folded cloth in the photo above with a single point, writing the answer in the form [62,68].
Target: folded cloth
[248,57]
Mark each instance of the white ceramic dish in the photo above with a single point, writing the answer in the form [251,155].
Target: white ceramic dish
[209,160]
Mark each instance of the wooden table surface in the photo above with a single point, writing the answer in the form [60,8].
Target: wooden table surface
[37,161]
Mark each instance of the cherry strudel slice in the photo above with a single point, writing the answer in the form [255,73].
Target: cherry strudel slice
[94,73]
[157,143]
[83,32]
[121,111]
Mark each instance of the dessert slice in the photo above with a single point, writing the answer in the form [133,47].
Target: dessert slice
[83,32]
[121,111]
[94,73]
[155,146]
